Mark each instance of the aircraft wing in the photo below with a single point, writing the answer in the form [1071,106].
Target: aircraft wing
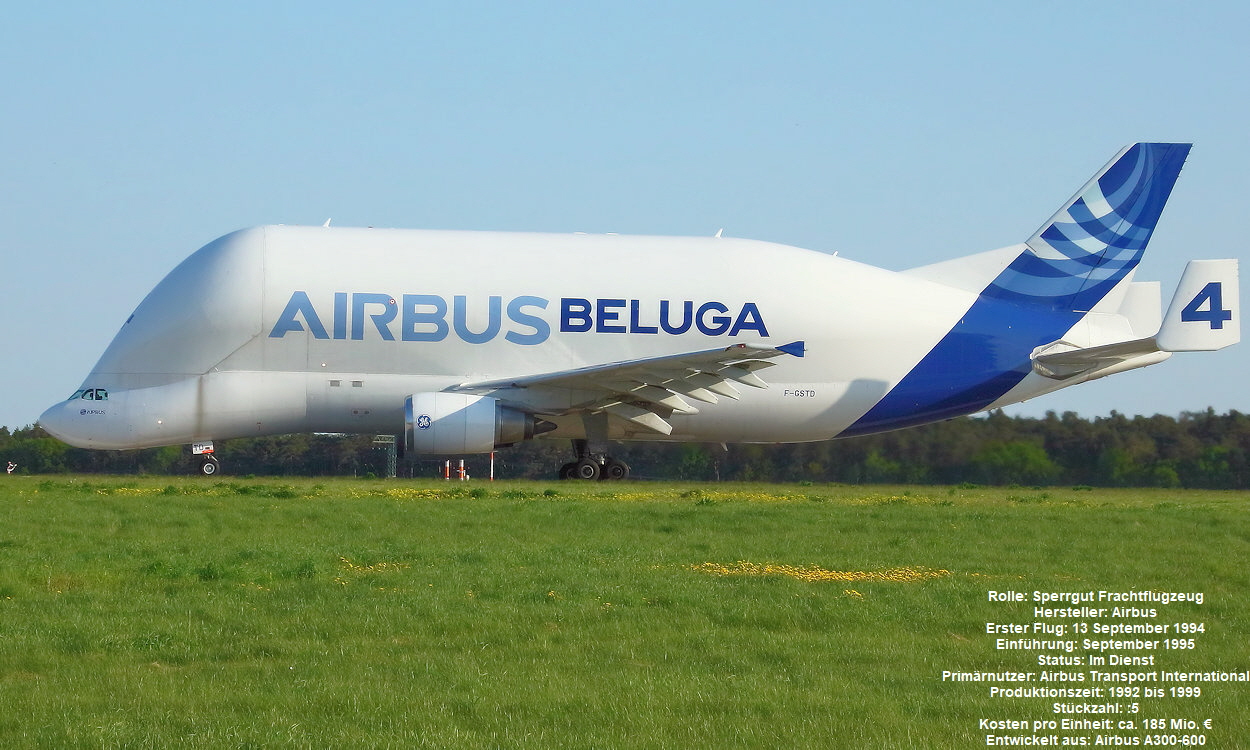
[646,392]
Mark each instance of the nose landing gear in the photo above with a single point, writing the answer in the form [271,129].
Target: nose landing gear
[203,452]
[209,466]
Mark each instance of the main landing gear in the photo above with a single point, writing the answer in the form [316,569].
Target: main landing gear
[592,466]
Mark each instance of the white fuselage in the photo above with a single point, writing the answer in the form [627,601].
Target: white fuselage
[403,311]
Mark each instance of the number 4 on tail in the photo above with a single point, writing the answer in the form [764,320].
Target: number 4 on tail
[1205,313]
[1212,295]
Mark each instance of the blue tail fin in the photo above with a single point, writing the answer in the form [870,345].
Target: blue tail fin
[1065,269]
[1092,243]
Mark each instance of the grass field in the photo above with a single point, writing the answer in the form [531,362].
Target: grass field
[158,612]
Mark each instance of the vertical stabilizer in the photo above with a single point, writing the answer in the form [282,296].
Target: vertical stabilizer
[1066,268]
[1099,235]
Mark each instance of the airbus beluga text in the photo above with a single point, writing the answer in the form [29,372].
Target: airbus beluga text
[599,338]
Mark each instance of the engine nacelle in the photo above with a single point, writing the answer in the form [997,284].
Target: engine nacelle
[458,423]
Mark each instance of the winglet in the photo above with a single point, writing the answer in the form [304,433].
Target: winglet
[796,348]
[1205,313]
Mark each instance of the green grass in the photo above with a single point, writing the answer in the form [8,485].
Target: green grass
[155,612]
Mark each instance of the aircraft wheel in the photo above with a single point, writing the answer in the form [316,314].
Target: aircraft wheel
[587,469]
[209,466]
[614,469]
[566,471]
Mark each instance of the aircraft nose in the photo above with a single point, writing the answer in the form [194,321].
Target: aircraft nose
[78,421]
[56,422]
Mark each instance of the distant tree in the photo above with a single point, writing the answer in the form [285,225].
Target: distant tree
[1198,449]
[1015,462]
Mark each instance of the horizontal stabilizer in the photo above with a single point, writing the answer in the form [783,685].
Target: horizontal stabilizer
[1061,361]
[1204,315]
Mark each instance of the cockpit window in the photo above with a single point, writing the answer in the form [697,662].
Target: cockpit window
[91,394]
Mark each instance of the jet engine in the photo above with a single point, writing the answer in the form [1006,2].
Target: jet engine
[457,423]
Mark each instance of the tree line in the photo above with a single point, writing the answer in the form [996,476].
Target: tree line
[1196,449]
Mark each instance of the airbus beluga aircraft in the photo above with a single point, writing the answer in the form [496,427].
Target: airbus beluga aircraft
[593,339]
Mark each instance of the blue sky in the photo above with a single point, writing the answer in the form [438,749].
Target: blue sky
[897,134]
